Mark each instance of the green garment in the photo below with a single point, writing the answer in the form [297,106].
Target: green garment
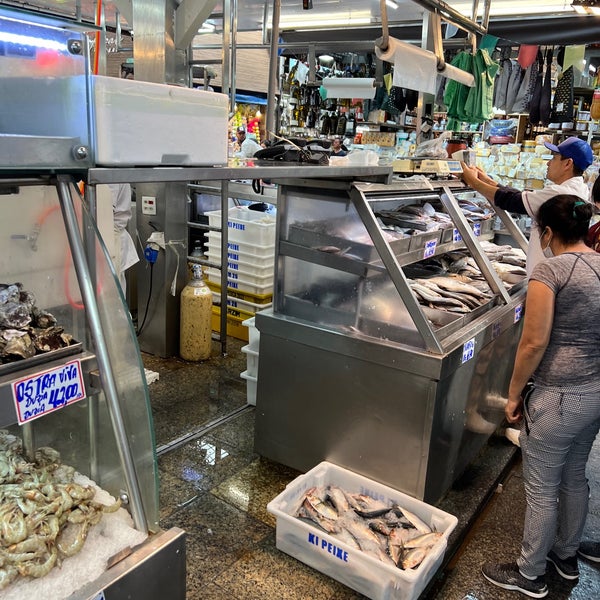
[471,105]
[455,94]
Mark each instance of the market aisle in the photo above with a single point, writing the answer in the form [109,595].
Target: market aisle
[216,488]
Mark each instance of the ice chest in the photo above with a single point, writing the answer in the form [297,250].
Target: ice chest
[143,123]
[353,568]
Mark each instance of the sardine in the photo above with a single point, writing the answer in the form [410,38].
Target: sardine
[413,558]
[420,525]
[427,539]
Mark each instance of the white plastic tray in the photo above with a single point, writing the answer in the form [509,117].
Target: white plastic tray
[251,383]
[352,567]
[244,225]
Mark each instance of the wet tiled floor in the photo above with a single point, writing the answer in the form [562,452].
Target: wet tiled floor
[216,488]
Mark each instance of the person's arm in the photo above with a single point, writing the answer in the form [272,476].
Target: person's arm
[503,197]
[477,180]
[537,327]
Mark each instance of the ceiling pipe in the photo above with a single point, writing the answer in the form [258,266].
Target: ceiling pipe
[452,16]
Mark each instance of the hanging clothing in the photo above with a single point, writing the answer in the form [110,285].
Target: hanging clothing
[479,104]
[534,105]
[527,55]
[546,97]
[525,92]
[455,95]
[562,106]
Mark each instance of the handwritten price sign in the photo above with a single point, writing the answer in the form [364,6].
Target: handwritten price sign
[48,391]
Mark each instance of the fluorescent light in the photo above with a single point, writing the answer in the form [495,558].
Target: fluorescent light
[586,7]
[324,20]
[322,23]
[392,4]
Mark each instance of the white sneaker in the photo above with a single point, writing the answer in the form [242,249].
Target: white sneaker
[512,435]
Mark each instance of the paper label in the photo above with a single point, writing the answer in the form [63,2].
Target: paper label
[47,391]
[518,313]
[430,247]
[477,229]
[468,350]
[456,237]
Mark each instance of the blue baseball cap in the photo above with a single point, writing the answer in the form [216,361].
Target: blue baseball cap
[576,149]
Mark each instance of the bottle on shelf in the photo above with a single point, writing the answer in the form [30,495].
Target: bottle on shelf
[595,107]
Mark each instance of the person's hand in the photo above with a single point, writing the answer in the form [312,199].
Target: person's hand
[514,409]
[469,174]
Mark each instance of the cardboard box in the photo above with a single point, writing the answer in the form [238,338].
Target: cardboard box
[354,568]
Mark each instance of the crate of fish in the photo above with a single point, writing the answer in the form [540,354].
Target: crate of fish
[378,541]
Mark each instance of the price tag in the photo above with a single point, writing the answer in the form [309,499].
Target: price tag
[456,237]
[518,312]
[468,350]
[477,229]
[430,246]
[100,596]
[47,391]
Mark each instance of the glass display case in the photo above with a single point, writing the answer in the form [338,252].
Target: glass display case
[71,374]
[395,320]
[44,92]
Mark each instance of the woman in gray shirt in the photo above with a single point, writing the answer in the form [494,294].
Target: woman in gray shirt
[560,413]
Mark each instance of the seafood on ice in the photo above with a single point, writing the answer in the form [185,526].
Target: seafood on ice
[391,534]
[25,329]
[45,515]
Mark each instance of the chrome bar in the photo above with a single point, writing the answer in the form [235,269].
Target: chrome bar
[271,125]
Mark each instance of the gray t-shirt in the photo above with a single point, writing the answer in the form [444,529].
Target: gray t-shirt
[573,353]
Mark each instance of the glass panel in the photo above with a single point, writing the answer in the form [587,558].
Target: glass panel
[44,83]
[34,251]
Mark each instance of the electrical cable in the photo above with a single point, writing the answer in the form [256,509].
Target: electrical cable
[141,327]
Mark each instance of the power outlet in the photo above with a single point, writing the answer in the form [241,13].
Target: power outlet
[148,205]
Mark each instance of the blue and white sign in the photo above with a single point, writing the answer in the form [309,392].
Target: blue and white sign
[430,246]
[477,229]
[468,350]
[47,391]
[456,237]
[518,312]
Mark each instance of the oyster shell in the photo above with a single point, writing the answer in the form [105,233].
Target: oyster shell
[50,338]
[18,344]
[9,292]
[42,318]
[14,315]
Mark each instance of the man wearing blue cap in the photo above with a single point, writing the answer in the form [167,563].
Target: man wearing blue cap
[565,170]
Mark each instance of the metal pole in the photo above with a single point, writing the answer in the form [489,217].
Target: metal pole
[226,54]
[234,25]
[273,68]
[106,373]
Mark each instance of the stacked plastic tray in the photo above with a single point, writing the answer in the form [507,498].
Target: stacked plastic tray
[251,352]
[249,263]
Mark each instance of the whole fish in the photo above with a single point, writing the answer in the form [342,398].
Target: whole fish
[452,285]
[306,511]
[412,558]
[418,524]
[367,507]
[426,539]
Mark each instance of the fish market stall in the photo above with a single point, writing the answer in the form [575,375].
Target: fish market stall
[395,320]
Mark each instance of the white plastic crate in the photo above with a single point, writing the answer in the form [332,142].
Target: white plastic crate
[244,225]
[253,334]
[251,361]
[241,305]
[258,269]
[236,248]
[353,568]
[260,286]
[146,123]
[250,387]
